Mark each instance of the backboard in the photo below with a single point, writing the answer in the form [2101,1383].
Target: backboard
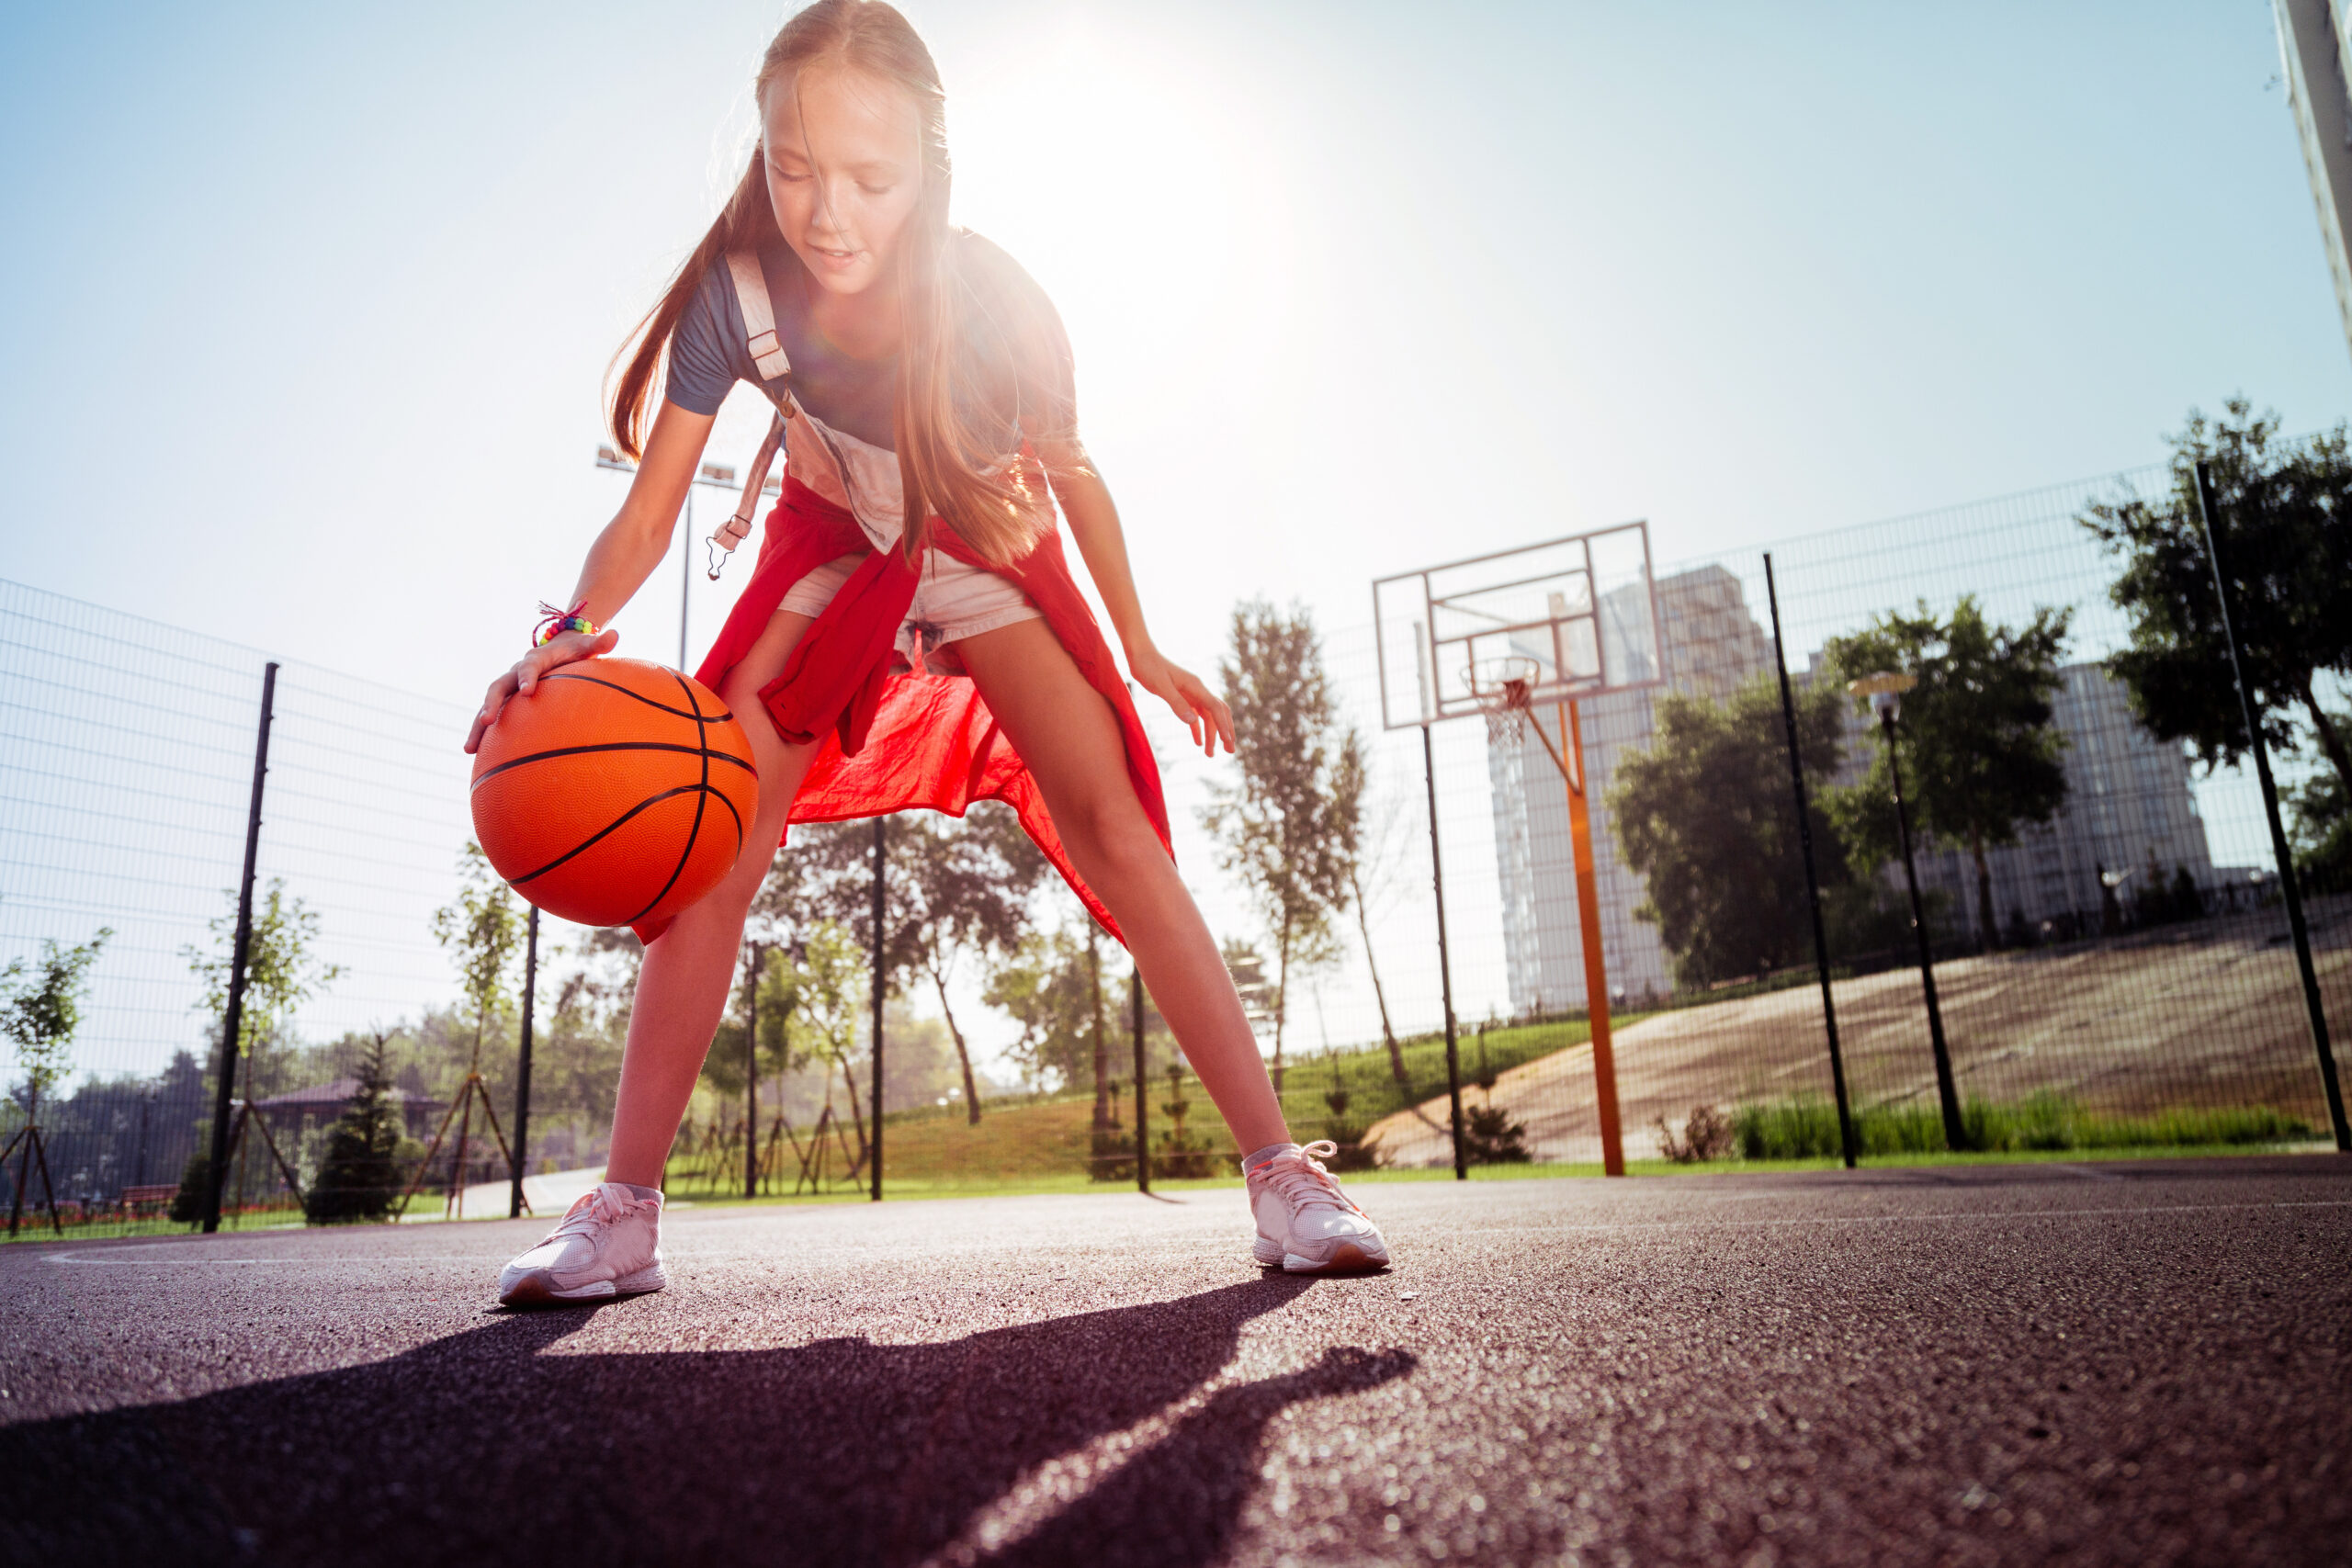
[1583,610]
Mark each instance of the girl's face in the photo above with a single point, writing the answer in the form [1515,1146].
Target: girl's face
[844,155]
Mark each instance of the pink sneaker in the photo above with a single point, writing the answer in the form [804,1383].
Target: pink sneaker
[1305,1225]
[609,1245]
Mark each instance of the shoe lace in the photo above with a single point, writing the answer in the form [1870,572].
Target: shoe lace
[598,1207]
[1303,1179]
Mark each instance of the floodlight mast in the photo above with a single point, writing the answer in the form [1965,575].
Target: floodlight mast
[717,476]
[1885,691]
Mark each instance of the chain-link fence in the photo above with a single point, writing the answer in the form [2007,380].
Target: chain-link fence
[2111,960]
[126,781]
[2111,954]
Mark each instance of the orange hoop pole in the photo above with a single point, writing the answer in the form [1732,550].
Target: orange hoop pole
[1596,971]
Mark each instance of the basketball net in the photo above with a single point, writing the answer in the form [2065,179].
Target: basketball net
[1507,719]
[1507,722]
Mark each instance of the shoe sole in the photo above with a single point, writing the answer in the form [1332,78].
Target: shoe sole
[1347,1258]
[535,1290]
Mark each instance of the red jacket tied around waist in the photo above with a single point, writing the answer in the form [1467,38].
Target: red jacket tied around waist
[894,741]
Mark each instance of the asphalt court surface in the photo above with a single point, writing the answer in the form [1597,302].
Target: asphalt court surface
[2142,1363]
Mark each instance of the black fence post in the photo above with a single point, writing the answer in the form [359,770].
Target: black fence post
[881,838]
[751,1074]
[2208,513]
[233,1015]
[523,1070]
[1811,877]
[1947,1092]
[1444,966]
[1143,1095]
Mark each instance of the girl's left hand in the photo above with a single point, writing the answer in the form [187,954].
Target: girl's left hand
[1202,712]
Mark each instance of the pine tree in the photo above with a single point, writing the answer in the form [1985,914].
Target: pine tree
[1291,826]
[360,1177]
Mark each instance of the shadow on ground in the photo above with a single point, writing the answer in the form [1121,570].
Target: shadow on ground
[498,1445]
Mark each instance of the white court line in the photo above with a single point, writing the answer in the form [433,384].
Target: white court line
[79,1262]
[1904,1219]
[869,1251]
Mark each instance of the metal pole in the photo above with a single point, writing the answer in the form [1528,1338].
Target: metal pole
[1596,968]
[523,1072]
[1143,1095]
[1955,1132]
[1812,879]
[146,1104]
[751,1076]
[2208,510]
[1444,967]
[233,1016]
[881,829]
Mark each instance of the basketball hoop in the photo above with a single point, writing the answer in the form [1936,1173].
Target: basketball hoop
[1503,689]
[1553,625]
[1500,688]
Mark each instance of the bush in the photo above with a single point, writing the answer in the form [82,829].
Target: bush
[1707,1134]
[187,1203]
[1491,1137]
[1111,1157]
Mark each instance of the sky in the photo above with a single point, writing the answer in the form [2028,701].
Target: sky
[306,310]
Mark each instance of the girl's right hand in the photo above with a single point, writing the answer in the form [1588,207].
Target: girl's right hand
[568,648]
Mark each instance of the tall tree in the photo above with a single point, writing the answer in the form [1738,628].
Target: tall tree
[1980,753]
[952,886]
[2287,531]
[778,983]
[1046,984]
[282,969]
[482,928]
[2321,808]
[968,883]
[41,1008]
[1360,869]
[828,980]
[1290,827]
[1703,814]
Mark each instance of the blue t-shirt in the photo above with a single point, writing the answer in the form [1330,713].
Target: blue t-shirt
[710,354]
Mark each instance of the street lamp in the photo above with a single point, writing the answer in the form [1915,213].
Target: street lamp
[1885,692]
[719,475]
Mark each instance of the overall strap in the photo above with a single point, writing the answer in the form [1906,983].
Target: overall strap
[759,316]
[768,358]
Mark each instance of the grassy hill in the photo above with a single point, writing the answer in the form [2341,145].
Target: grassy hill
[1047,1141]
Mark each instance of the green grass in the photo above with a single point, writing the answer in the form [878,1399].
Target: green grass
[1369,1078]
[1807,1128]
[1045,1143]
[914,1188]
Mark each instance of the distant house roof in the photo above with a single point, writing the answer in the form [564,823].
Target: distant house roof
[335,1097]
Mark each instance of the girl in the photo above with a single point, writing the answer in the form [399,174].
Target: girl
[910,635]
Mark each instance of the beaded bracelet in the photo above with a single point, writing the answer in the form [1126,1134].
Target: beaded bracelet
[559,621]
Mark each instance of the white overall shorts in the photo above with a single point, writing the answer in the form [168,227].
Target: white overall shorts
[952,601]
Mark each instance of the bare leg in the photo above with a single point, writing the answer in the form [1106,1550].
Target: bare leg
[1068,737]
[681,990]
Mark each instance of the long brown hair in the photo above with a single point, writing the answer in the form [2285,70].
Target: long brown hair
[952,414]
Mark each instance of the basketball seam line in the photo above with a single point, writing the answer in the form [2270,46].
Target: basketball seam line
[614,825]
[624,691]
[702,737]
[704,750]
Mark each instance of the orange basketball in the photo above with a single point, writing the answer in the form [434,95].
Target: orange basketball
[617,791]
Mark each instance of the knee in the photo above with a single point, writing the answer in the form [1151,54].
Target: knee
[1108,832]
